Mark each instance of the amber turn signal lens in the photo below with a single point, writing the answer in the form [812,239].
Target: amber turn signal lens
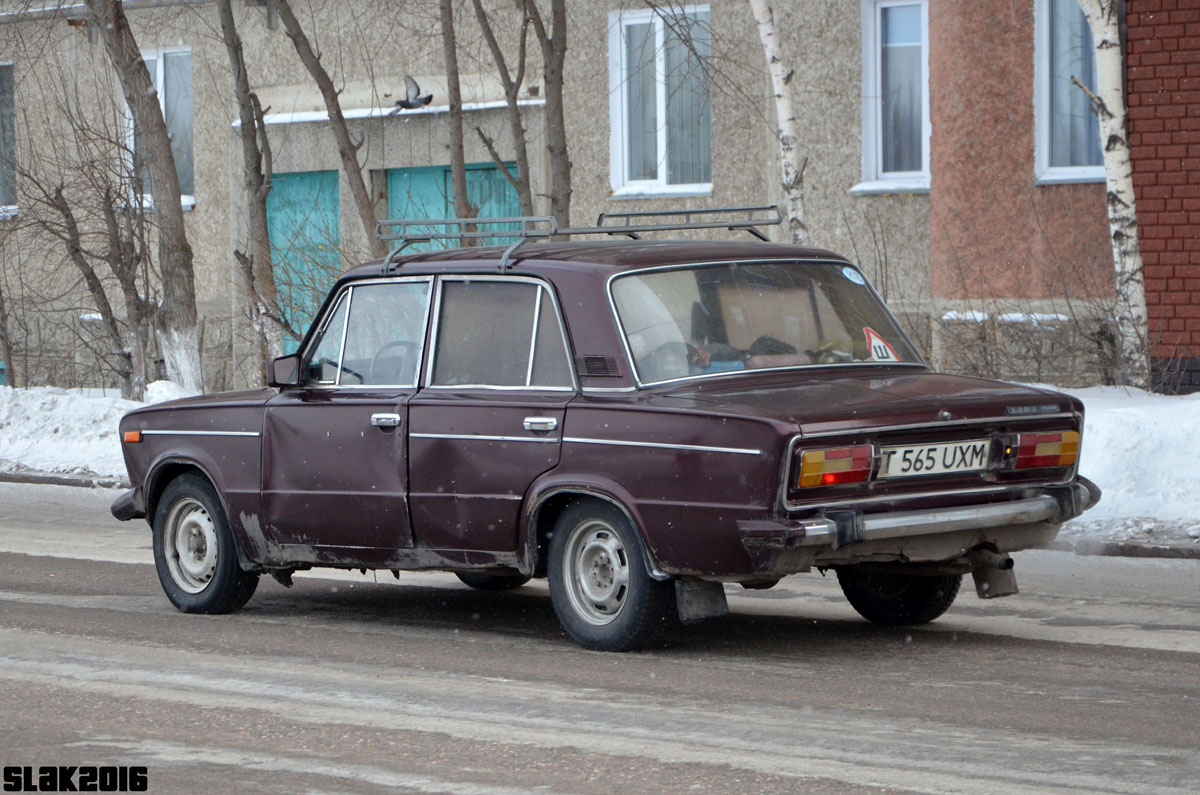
[130,437]
[1042,450]
[835,466]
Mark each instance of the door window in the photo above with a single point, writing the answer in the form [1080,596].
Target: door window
[494,333]
[384,330]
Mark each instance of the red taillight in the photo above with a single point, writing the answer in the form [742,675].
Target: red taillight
[835,466]
[1042,450]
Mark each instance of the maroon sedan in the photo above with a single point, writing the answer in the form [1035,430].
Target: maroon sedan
[641,422]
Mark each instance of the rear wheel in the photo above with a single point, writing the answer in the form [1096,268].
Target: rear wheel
[897,600]
[600,586]
[491,582]
[194,550]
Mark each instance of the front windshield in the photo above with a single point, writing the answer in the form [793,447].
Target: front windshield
[751,316]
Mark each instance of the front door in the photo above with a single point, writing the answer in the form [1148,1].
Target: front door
[490,418]
[335,478]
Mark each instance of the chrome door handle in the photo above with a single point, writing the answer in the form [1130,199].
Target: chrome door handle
[385,420]
[540,424]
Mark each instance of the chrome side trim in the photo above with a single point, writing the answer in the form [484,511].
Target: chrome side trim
[475,437]
[664,446]
[600,390]
[201,433]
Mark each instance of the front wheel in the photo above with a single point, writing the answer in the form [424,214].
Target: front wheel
[898,600]
[600,586]
[194,550]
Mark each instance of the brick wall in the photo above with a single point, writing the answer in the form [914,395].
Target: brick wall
[1163,74]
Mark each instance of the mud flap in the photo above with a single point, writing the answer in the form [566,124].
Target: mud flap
[699,599]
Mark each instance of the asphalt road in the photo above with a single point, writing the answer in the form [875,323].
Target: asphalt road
[1087,681]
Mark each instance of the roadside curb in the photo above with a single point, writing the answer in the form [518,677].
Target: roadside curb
[52,479]
[1127,549]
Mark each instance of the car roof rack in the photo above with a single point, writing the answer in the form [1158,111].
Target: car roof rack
[542,227]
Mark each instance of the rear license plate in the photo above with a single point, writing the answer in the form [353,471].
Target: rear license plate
[902,461]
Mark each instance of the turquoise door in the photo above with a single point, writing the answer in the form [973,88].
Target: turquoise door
[303,222]
[428,192]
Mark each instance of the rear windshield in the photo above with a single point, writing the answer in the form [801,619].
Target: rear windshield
[753,316]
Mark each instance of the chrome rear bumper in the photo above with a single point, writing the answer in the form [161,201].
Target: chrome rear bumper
[837,529]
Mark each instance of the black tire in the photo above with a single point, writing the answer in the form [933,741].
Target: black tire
[491,582]
[195,552]
[898,600]
[600,587]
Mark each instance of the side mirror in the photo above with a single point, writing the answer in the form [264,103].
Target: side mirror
[284,371]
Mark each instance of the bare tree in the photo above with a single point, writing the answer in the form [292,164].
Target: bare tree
[553,43]
[177,327]
[787,132]
[255,262]
[1108,102]
[347,148]
[458,166]
[512,88]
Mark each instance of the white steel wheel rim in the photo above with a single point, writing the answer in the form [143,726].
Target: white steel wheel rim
[190,545]
[596,573]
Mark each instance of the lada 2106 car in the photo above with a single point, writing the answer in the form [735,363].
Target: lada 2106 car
[640,421]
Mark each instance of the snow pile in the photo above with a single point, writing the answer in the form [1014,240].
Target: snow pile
[57,430]
[1137,447]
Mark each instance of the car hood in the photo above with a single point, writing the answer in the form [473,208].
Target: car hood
[824,402]
[242,398]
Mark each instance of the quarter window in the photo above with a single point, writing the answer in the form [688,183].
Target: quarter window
[661,138]
[171,72]
[1068,135]
[895,96]
[493,333]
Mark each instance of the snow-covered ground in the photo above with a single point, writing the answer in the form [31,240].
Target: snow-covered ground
[1137,447]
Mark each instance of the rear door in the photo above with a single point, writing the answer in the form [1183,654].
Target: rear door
[490,417]
[334,472]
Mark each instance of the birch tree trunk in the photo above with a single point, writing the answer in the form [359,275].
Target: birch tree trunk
[256,182]
[177,327]
[792,169]
[1108,101]
[347,149]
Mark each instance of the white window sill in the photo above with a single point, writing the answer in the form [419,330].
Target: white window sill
[8,212]
[1070,175]
[186,202]
[657,191]
[879,187]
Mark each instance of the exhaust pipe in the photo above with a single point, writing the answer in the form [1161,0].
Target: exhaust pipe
[993,574]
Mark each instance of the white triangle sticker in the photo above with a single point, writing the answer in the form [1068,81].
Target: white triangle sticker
[879,348]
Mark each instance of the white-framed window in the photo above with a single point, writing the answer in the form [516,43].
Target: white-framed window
[895,97]
[8,143]
[171,70]
[1067,147]
[659,106]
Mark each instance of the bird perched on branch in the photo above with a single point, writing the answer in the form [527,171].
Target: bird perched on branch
[412,96]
